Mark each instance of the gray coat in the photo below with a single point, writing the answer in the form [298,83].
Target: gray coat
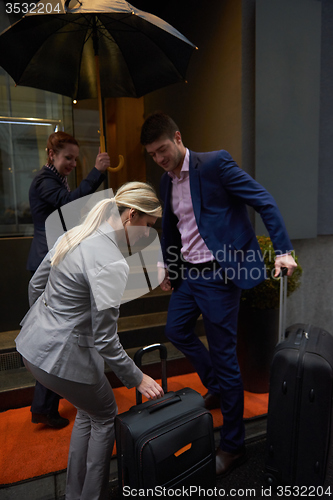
[71,327]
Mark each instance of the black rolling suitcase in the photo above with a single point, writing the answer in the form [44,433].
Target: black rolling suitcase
[299,421]
[166,443]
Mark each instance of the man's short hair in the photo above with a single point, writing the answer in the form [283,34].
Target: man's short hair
[157,125]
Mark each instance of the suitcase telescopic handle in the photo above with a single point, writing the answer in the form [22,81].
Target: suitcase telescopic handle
[284,271]
[163,356]
[283,303]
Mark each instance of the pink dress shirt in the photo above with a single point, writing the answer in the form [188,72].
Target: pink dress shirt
[193,249]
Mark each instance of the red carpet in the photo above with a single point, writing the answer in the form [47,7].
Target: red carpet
[28,450]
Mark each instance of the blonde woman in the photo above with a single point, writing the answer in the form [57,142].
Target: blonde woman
[71,329]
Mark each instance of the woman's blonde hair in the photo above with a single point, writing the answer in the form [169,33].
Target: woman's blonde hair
[138,195]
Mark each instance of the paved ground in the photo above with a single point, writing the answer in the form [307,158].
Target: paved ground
[248,481]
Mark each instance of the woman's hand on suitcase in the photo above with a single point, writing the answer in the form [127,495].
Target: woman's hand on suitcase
[149,388]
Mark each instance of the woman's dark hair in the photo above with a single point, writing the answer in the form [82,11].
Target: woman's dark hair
[155,126]
[58,141]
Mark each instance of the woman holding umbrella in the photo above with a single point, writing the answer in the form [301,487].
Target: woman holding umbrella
[48,192]
[71,329]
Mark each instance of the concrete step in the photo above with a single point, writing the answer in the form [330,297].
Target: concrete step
[134,332]
[154,301]
[7,342]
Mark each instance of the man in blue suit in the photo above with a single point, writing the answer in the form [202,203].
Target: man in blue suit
[210,254]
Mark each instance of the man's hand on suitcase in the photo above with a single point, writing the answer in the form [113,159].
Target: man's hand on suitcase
[284,261]
[149,388]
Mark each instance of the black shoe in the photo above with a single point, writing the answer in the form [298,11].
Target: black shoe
[226,462]
[55,421]
[212,401]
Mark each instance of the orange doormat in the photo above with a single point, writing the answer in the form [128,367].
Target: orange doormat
[28,450]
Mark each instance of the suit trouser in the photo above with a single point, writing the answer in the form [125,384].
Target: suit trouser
[92,436]
[44,401]
[218,301]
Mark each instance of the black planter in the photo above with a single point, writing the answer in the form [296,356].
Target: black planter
[257,336]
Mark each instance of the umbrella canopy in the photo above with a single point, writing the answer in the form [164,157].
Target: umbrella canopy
[94,48]
[54,50]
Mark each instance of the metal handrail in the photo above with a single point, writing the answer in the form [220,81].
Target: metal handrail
[28,121]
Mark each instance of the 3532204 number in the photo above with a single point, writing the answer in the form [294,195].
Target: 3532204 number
[32,8]
[303,491]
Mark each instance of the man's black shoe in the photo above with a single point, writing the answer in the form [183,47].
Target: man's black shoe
[226,462]
[212,401]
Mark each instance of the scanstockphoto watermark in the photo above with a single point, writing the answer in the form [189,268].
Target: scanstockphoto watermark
[240,272]
[199,492]
[228,254]
[187,492]
[230,264]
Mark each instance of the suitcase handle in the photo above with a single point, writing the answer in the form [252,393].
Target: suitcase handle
[283,303]
[170,401]
[163,356]
[283,272]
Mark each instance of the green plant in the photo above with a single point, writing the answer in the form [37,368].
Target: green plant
[266,295]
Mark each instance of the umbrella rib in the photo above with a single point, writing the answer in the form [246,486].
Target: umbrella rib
[151,39]
[73,22]
[111,38]
[86,27]
[57,32]
[102,27]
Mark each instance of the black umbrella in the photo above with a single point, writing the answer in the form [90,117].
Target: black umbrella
[93,48]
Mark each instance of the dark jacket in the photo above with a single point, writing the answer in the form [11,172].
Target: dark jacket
[220,191]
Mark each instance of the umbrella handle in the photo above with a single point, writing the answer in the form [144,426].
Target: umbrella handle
[100,107]
[118,167]
[121,158]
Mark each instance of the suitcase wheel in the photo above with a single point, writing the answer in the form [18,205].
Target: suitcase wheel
[270,479]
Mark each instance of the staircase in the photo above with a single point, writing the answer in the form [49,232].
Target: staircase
[141,323]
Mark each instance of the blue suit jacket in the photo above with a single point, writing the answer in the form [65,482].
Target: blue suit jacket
[220,191]
[47,193]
